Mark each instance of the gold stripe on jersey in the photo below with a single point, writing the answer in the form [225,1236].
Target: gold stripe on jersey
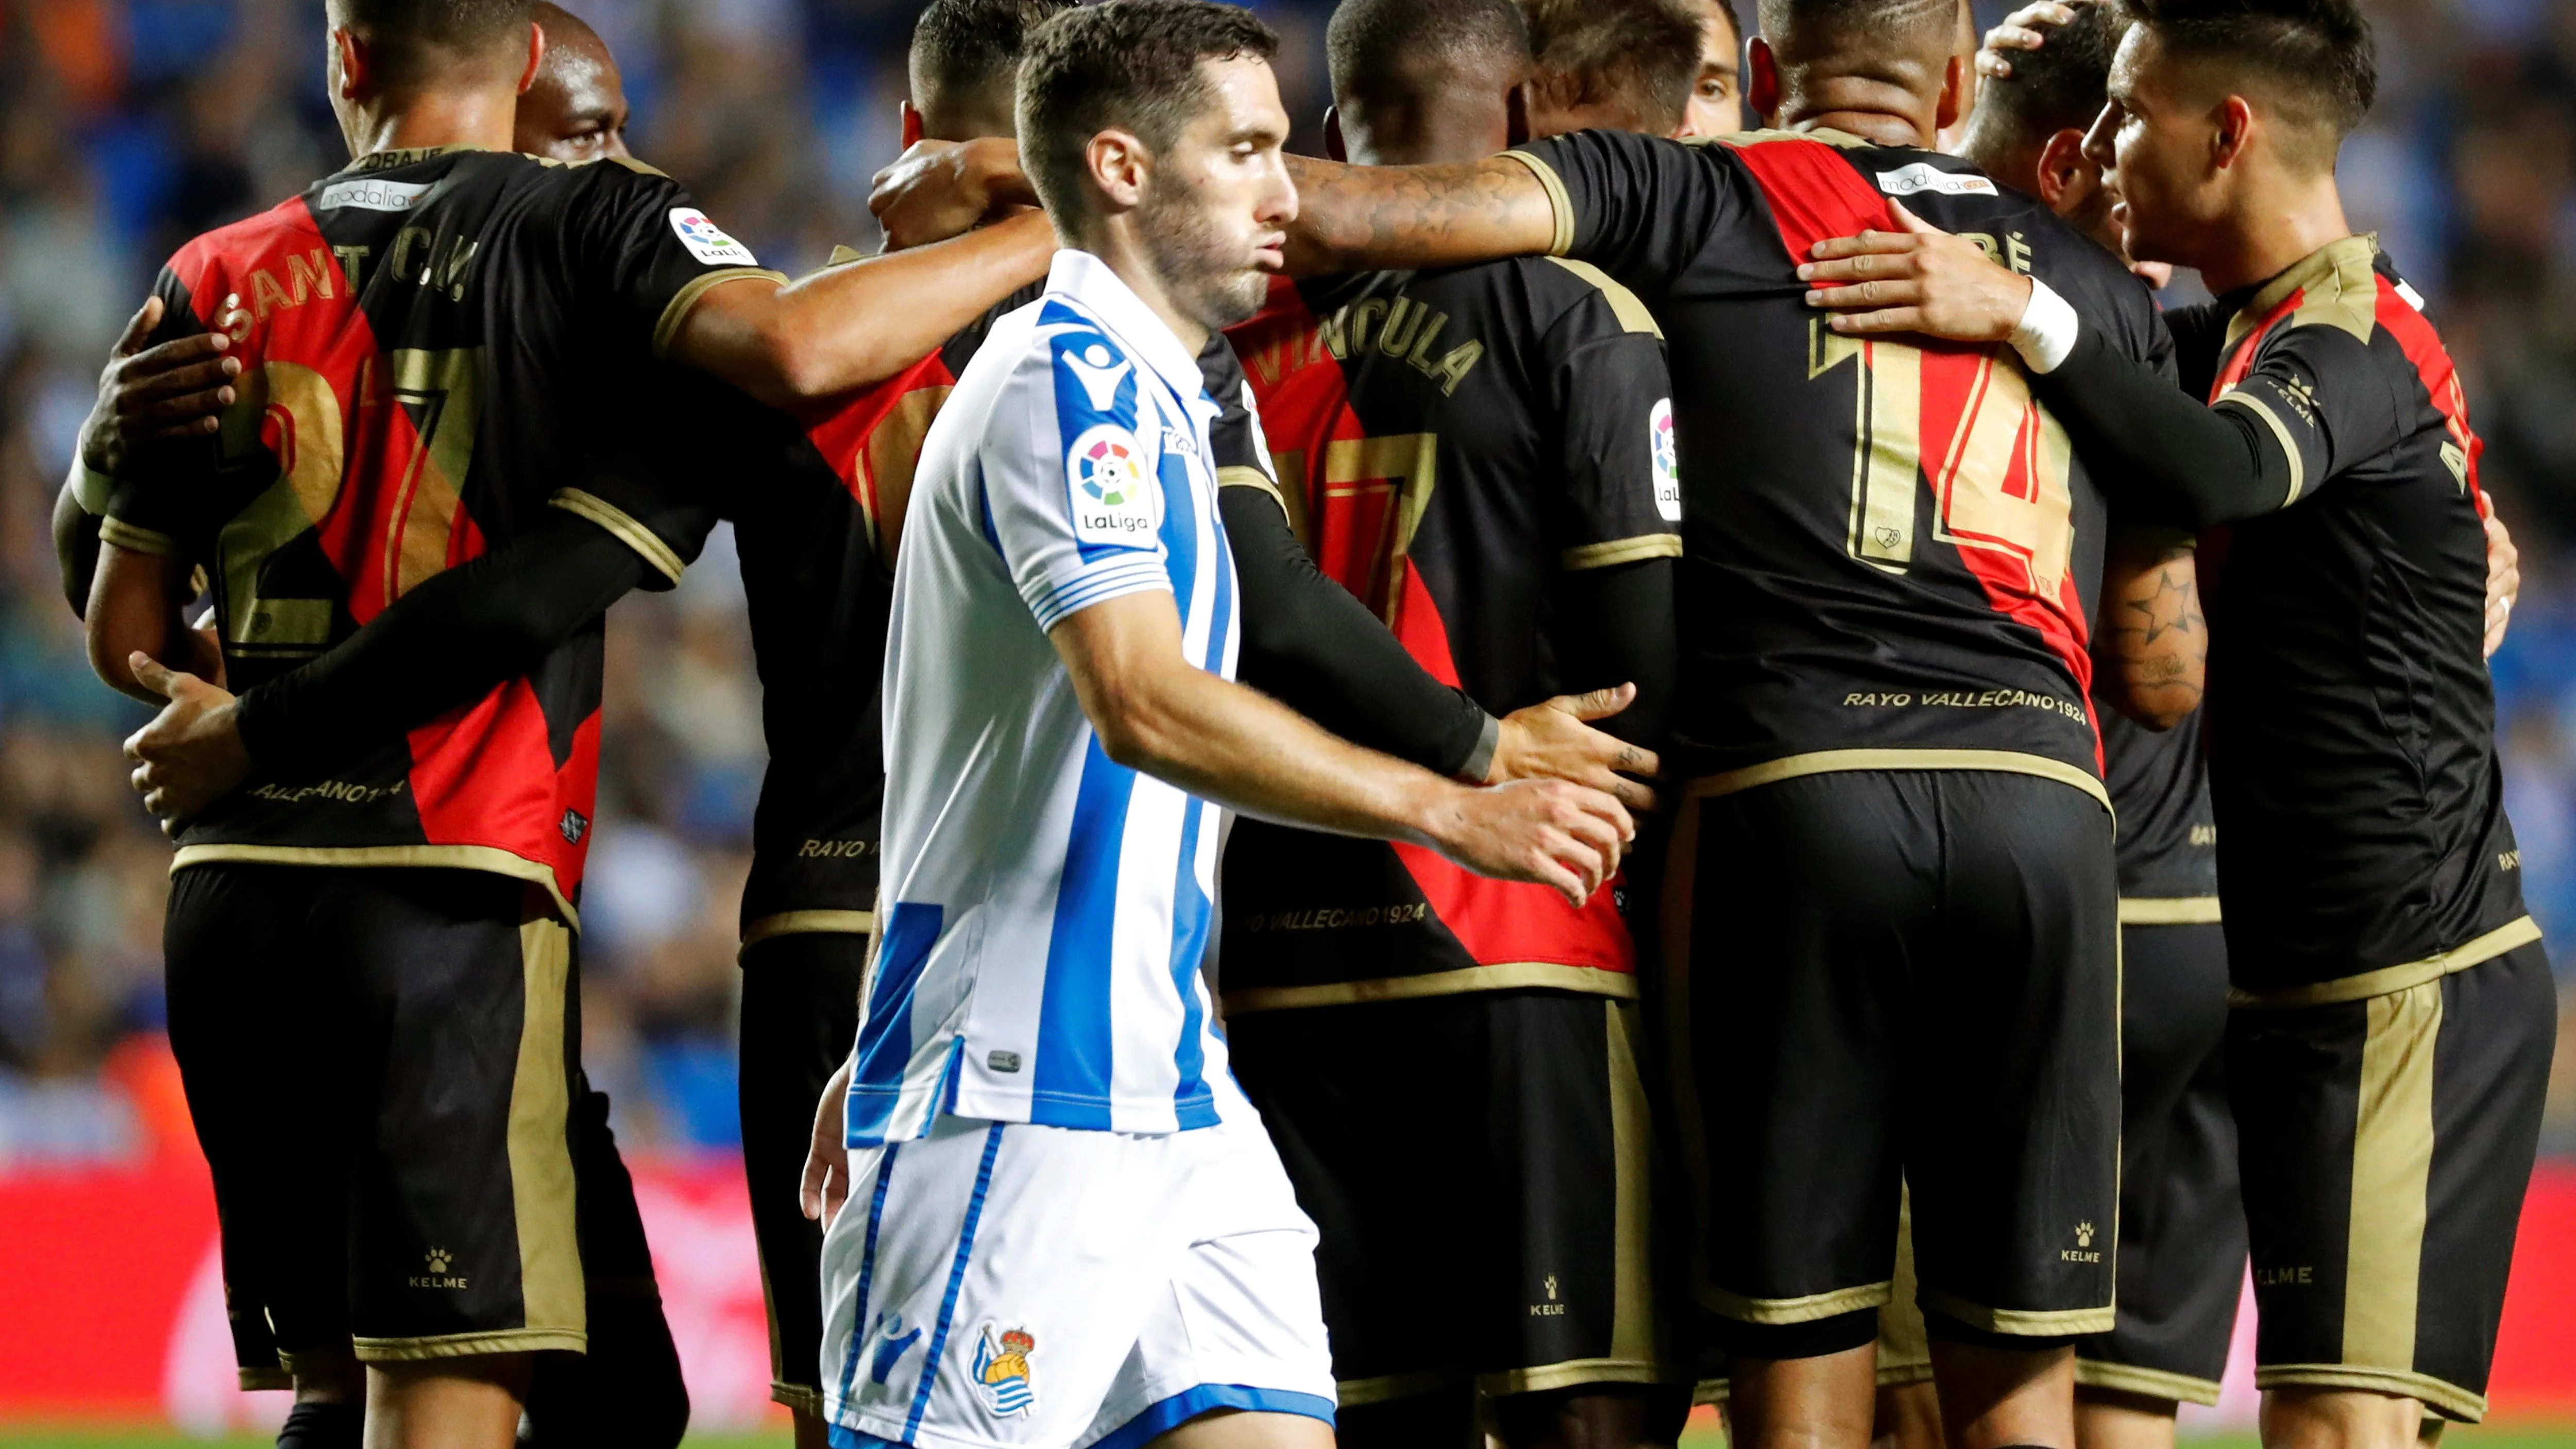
[622,524]
[1386,1388]
[1620,551]
[126,536]
[551,1294]
[1823,762]
[436,857]
[2340,290]
[809,923]
[2146,1382]
[689,296]
[2388,980]
[2168,910]
[2280,430]
[1560,206]
[1632,313]
[1502,976]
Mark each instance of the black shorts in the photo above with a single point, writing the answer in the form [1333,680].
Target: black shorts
[1477,1167]
[800,1016]
[2386,1145]
[1898,976]
[2182,1225]
[379,1063]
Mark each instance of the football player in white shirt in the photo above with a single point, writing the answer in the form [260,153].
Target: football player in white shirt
[1066,1226]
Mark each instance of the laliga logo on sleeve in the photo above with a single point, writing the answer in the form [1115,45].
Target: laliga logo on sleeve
[1668,465]
[707,241]
[1105,474]
[1002,1370]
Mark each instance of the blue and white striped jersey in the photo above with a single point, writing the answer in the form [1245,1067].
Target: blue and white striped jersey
[1045,908]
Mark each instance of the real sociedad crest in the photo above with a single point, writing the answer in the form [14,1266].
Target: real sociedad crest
[1002,1370]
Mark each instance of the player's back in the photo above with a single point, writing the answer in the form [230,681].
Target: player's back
[2353,754]
[1046,907]
[435,335]
[1890,548]
[1453,446]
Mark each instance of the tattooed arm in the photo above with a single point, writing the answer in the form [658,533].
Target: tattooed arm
[1354,218]
[2151,651]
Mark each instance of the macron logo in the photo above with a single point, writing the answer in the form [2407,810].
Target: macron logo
[1922,176]
[1098,375]
[374,195]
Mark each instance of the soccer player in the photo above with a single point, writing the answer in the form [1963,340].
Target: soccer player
[2393,1013]
[1717,100]
[1617,65]
[1064,1226]
[1483,456]
[385,408]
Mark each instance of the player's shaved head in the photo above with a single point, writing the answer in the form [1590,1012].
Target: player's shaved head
[1132,65]
[2059,87]
[2311,63]
[1626,63]
[1905,44]
[1425,80]
[576,109]
[965,60]
[413,42]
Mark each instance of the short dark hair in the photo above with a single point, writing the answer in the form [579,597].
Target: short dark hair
[1881,40]
[414,39]
[2060,86]
[1644,53]
[1380,49]
[968,51]
[1128,63]
[2318,54]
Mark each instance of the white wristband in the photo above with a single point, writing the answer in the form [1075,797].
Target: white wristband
[2046,334]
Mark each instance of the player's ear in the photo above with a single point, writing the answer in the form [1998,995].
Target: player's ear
[2062,167]
[2233,132]
[1516,114]
[1117,162]
[1958,93]
[1334,148]
[912,126]
[355,66]
[536,56]
[1762,79]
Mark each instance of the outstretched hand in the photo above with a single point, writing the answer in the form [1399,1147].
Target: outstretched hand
[1554,740]
[939,189]
[191,754]
[1917,279]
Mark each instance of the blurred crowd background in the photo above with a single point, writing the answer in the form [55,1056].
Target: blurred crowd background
[127,126]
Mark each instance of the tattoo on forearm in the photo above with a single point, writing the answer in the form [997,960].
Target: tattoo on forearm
[2157,628]
[1351,217]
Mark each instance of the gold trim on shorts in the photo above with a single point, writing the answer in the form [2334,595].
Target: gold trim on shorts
[255,1380]
[490,858]
[2388,980]
[1569,1374]
[471,1345]
[2450,1398]
[1808,1309]
[797,1397]
[2146,1382]
[1387,1388]
[1826,762]
[2168,910]
[2023,1322]
[1501,976]
[809,923]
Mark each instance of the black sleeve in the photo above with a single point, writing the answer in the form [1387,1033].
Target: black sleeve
[443,644]
[1626,615]
[639,255]
[1642,208]
[1308,643]
[2200,465]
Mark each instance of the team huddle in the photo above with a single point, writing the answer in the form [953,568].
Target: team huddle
[1551,769]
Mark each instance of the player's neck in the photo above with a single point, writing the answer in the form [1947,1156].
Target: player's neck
[1120,248]
[2271,228]
[1886,128]
[483,118]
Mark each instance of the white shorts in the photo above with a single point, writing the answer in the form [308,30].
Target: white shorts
[1008,1284]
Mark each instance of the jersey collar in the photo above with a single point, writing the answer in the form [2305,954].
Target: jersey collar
[2336,272]
[388,160]
[1087,280]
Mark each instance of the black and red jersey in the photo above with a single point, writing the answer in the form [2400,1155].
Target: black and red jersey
[1891,552]
[1451,445]
[2351,718]
[436,339]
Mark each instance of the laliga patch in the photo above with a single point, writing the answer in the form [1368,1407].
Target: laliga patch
[1104,474]
[707,241]
[1923,176]
[1002,1375]
[1668,461]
